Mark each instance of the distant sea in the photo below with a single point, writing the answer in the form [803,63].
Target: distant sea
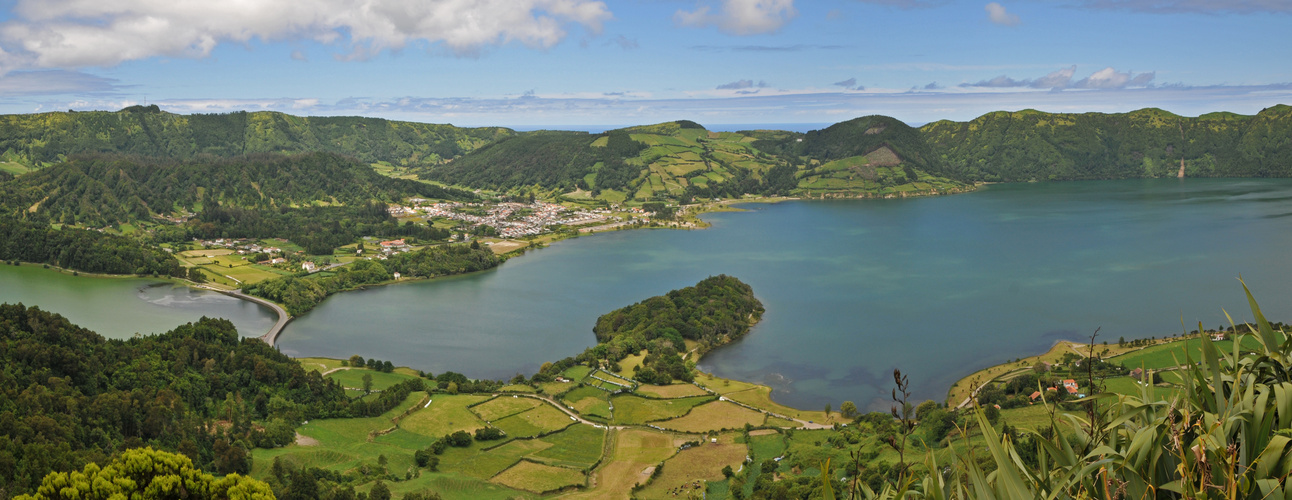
[714,127]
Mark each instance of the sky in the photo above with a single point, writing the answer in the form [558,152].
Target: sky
[590,63]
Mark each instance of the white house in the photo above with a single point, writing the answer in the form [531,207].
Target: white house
[308,267]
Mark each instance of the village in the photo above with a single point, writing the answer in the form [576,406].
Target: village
[514,220]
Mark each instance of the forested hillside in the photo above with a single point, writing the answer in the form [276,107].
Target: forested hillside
[82,250]
[713,312]
[69,397]
[300,294]
[1031,145]
[39,139]
[99,190]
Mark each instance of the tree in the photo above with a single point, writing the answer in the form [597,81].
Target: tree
[452,388]
[379,491]
[147,473]
[992,413]
[367,383]
[356,360]
[848,409]
[924,408]
[727,472]
[827,411]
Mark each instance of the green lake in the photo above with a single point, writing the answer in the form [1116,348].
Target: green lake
[122,307]
[937,287]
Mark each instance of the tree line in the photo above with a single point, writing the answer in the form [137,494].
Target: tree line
[299,294]
[82,249]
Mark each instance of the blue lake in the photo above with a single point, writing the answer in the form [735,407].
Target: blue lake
[938,287]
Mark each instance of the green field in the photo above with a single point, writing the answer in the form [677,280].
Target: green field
[589,402]
[764,447]
[539,478]
[353,378]
[577,446]
[445,415]
[542,419]
[475,462]
[715,416]
[638,410]
[343,444]
[319,364]
[14,168]
[503,406]
[1167,355]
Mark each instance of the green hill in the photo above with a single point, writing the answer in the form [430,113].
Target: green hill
[1031,145]
[44,138]
[98,190]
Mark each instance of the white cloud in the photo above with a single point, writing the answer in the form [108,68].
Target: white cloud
[997,14]
[1108,78]
[1056,80]
[78,33]
[740,17]
[767,107]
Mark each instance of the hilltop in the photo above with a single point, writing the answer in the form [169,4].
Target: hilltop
[36,140]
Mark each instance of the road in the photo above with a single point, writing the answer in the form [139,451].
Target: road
[272,335]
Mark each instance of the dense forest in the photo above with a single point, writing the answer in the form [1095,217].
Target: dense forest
[1031,145]
[549,159]
[300,294]
[318,230]
[717,310]
[37,139]
[100,190]
[81,249]
[69,397]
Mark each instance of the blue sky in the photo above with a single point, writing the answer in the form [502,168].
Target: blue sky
[528,63]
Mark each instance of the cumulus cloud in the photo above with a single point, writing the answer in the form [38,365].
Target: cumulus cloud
[998,15]
[1194,6]
[77,33]
[1108,78]
[1056,80]
[740,17]
[742,84]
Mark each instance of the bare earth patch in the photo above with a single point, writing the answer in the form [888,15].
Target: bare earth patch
[303,440]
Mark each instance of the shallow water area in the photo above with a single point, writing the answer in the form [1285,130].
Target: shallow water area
[120,307]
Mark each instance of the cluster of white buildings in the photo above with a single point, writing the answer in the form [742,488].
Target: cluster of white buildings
[241,245]
[510,219]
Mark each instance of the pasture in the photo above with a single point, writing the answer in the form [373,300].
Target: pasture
[715,416]
[539,420]
[538,478]
[503,406]
[635,454]
[670,391]
[446,414]
[1173,354]
[697,463]
[630,409]
[353,378]
[579,446]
